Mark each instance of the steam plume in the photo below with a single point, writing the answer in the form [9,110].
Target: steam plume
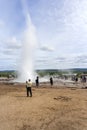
[29,43]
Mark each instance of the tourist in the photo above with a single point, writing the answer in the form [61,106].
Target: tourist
[37,81]
[29,88]
[51,81]
[76,79]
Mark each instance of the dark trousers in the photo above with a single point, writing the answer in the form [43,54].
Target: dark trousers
[51,83]
[37,84]
[29,92]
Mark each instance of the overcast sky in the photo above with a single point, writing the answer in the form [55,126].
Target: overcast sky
[61,28]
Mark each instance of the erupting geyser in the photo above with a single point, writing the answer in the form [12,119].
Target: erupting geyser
[26,69]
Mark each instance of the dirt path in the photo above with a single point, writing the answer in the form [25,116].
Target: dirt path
[48,109]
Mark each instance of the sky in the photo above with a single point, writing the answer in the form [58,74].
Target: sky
[61,30]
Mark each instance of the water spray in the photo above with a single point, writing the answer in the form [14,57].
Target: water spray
[26,70]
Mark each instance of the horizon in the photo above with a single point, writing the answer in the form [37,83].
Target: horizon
[47,69]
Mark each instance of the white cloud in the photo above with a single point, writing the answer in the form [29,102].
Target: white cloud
[10,50]
[13,43]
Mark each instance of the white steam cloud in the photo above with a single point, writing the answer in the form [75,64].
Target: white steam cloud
[26,70]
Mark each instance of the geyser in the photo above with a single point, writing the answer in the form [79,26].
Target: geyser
[26,69]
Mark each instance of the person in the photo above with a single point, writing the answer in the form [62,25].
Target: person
[51,81]
[37,81]
[83,79]
[28,87]
[76,79]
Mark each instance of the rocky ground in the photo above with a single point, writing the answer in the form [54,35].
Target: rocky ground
[50,108]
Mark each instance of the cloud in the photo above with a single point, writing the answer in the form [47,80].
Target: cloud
[47,48]
[10,52]
[60,59]
[62,62]
[81,59]
[13,43]
[10,48]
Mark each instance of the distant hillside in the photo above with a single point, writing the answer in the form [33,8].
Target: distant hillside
[53,70]
[7,70]
[71,69]
[80,69]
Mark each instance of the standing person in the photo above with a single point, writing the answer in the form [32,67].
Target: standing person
[29,89]
[83,80]
[76,79]
[37,81]
[51,81]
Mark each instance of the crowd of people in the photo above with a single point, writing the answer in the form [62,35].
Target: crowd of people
[82,78]
[37,83]
[29,85]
